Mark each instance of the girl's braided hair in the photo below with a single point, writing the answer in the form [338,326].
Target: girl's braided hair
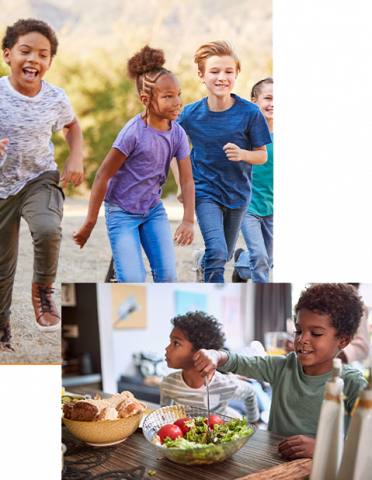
[145,68]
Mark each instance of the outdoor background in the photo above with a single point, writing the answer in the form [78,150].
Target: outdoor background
[96,39]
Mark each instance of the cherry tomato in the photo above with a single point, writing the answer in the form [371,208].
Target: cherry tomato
[213,420]
[181,423]
[171,431]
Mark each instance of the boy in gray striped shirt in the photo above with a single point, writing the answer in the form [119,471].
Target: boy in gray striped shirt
[191,332]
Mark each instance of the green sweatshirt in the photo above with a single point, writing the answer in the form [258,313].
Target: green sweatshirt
[296,397]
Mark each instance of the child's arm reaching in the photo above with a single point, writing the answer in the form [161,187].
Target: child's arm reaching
[3,147]
[109,167]
[236,154]
[207,361]
[185,232]
[73,170]
[176,174]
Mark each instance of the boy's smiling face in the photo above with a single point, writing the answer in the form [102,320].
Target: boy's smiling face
[316,342]
[180,351]
[29,60]
[219,75]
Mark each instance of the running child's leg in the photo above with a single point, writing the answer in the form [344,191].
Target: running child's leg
[42,208]
[210,220]
[123,232]
[257,255]
[232,222]
[157,241]
[9,233]
[268,235]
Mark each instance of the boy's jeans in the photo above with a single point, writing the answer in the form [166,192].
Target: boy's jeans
[40,203]
[258,235]
[220,228]
[127,232]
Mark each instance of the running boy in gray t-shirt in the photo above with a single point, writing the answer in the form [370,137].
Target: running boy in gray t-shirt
[29,180]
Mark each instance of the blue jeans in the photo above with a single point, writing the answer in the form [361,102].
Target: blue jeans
[258,235]
[220,227]
[127,232]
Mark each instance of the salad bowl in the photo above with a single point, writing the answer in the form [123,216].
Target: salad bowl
[189,454]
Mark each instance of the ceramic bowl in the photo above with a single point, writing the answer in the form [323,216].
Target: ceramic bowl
[106,432]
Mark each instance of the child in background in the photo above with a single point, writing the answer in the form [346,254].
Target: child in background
[257,226]
[326,318]
[131,176]
[228,135]
[191,332]
[29,180]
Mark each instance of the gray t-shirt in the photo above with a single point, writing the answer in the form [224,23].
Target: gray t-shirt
[28,122]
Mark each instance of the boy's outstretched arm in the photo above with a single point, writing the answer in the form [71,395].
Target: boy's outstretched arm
[207,361]
[185,232]
[73,171]
[109,167]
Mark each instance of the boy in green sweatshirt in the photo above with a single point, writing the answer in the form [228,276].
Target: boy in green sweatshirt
[326,318]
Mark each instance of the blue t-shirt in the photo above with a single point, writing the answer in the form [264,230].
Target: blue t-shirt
[136,186]
[215,176]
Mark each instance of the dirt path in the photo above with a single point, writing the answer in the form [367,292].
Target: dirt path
[89,264]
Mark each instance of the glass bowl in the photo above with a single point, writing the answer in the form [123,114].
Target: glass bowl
[193,456]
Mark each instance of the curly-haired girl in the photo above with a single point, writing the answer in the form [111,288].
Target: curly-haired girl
[191,332]
[326,318]
[131,176]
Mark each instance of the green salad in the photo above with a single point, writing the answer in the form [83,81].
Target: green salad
[199,437]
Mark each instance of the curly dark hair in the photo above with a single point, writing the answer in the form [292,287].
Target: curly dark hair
[145,68]
[202,330]
[339,301]
[24,26]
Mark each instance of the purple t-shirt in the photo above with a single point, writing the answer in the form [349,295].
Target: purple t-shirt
[136,186]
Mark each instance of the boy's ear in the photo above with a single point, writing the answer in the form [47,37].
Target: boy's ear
[50,63]
[201,76]
[344,341]
[6,53]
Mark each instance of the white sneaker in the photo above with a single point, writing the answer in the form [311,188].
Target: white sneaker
[196,259]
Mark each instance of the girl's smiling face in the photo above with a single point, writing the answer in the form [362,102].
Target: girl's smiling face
[316,342]
[265,101]
[166,100]
[29,59]
[180,351]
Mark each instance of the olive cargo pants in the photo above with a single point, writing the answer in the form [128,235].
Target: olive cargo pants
[40,203]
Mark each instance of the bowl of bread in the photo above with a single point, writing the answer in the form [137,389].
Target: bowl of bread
[102,422]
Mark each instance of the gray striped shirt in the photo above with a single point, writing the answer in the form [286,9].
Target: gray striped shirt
[222,388]
[28,122]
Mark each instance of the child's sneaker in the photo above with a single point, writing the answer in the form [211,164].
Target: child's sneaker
[196,259]
[5,338]
[46,313]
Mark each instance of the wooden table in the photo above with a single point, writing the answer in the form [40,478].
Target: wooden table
[136,454]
